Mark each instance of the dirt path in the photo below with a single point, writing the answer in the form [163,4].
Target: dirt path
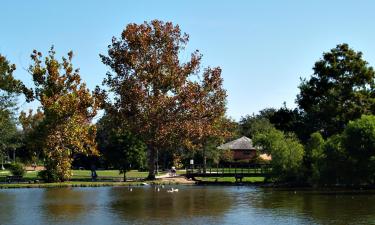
[175,179]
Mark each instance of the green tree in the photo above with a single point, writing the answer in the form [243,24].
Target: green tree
[314,154]
[335,167]
[160,98]
[8,132]
[286,152]
[290,120]
[9,89]
[249,126]
[119,147]
[210,152]
[32,135]
[68,108]
[126,152]
[341,89]
[8,84]
[358,139]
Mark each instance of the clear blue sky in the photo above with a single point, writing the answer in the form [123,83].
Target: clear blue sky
[263,47]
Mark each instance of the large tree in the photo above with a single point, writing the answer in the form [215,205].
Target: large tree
[341,89]
[68,108]
[156,94]
[9,89]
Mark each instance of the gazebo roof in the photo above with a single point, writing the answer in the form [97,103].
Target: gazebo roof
[242,143]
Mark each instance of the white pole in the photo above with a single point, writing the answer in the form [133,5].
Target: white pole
[2,162]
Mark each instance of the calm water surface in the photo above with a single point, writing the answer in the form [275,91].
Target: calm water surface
[190,205]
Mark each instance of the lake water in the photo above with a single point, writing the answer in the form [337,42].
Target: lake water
[190,205]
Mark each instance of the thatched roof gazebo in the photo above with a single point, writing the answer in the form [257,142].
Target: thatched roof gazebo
[243,149]
[242,143]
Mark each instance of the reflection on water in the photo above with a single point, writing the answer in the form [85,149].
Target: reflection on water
[322,206]
[68,204]
[149,204]
[191,205]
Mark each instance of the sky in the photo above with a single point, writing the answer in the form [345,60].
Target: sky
[263,47]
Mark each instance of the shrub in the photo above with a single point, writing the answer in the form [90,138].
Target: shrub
[358,139]
[17,169]
[48,176]
[286,152]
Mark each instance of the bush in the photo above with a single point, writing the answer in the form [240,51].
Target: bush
[358,139]
[286,152]
[17,169]
[48,176]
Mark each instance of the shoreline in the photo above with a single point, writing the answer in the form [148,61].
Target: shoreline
[179,180]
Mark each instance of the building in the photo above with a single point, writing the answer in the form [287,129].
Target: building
[243,149]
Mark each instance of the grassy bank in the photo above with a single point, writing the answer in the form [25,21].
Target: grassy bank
[84,175]
[66,184]
[229,179]
[82,178]
[81,184]
[89,184]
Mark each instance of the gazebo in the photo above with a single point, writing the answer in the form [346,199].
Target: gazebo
[243,149]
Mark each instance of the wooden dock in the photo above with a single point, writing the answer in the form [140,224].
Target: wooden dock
[237,171]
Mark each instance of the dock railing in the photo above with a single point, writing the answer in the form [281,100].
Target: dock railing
[229,169]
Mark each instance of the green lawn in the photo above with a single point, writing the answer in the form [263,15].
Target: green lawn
[30,174]
[84,174]
[86,184]
[82,178]
[232,170]
[230,179]
[109,173]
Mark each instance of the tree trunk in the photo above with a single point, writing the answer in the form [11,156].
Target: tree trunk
[151,163]
[125,176]
[204,161]
[2,162]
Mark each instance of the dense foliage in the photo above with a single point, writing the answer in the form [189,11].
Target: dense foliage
[17,169]
[286,151]
[32,136]
[68,109]
[358,140]
[119,147]
[9,89]
[332,104]
[251,125]
[159,97]
[313,157]
[341,89]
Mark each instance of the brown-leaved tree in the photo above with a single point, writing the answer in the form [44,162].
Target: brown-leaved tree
[68,108]
[161,99]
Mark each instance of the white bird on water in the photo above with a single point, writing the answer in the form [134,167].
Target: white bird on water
[172,190]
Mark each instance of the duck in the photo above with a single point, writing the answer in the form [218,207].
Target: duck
[172,190]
